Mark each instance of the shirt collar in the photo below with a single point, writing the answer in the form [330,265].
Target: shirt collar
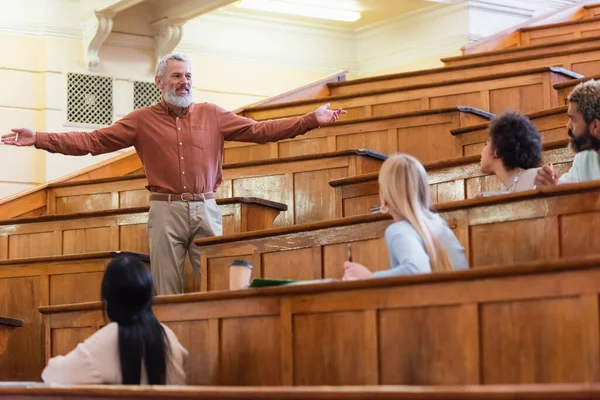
[167,108]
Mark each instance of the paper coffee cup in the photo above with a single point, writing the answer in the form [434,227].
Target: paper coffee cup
[239,274]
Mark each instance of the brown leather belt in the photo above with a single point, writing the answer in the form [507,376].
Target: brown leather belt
[181,196]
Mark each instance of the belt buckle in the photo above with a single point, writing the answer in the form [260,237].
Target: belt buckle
[190,198]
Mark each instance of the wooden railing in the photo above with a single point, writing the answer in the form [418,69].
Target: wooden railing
[466,328]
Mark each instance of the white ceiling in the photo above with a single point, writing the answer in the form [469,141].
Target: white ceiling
[372,11]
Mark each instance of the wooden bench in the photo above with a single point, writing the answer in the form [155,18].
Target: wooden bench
[539,224]
[529,323]
[119,229]
[473,392]
[525,90]
[422,133]
[450,180]
[7,327]
[299,182]
[564,89]
[26,284]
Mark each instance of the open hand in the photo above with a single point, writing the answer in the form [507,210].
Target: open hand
[353,271]
[326,116]
[19,137]
[546,176]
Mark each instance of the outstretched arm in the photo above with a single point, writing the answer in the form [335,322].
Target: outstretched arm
[242,129]
[105,140]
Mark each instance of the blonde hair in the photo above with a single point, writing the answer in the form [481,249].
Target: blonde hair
[403,186]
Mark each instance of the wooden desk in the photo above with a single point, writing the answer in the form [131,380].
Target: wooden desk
[122,229]
[524,90]
[7,326]
[451,180]
[540,224]
[423,134]
[529,323]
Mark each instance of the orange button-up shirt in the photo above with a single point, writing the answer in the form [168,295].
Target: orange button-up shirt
[181,153]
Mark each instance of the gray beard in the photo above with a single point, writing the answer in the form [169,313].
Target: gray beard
[172,99]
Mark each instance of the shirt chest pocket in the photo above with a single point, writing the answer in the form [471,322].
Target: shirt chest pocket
[200,138]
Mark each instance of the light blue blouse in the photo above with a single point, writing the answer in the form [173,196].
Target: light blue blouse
[407,250]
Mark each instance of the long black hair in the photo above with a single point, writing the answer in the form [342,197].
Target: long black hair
[127,292]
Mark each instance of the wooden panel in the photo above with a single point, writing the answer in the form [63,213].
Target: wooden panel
[535,41]
[3,247]
[194,336]
[134,238]
[399,107]
[246,153]
[359,205]
[526,99]
[23,358]
[533,341]
[28,245]
[75,288]
[372,253]
[65,340]
[279,188]
[429,346]
[328,349]
[514,241]
[579,234]
[84,203]
[586,68]
[473,99]
[374,140]
[134,198]
[87,240]
[250,351]
[301,264]
[293,148]
[314,199]
[449,191]
[428,143]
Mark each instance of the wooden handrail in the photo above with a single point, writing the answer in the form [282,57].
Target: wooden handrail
[339,76]
[501,75]
[532,116]
[503,270]
[444,207]
[73,257]
[135,210]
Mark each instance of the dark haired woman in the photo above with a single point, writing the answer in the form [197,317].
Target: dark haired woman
[134,348]
[513,152]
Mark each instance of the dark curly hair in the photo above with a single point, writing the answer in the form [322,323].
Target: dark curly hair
[516,141]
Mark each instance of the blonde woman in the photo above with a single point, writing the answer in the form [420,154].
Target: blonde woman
[419,241]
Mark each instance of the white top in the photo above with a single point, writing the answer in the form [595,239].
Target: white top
[96,361]
[407,250]
[586,167]
[524,180]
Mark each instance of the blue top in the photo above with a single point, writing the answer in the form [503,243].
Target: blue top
[407,250]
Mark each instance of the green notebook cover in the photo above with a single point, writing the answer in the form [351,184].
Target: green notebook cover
[260,282]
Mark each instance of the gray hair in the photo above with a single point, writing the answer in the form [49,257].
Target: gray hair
[162,64]
[587,97]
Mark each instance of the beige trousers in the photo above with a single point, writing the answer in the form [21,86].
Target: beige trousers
[172,228]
